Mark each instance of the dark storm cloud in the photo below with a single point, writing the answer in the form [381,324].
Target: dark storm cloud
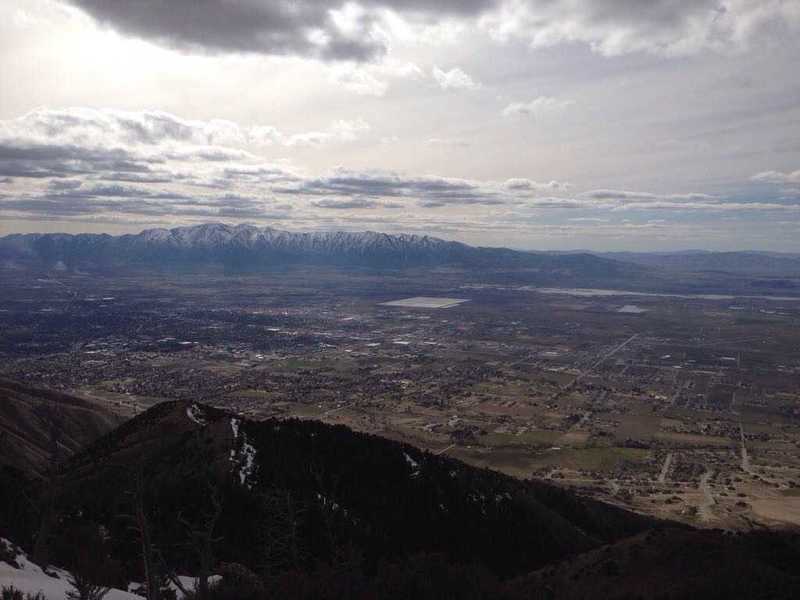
[304,27]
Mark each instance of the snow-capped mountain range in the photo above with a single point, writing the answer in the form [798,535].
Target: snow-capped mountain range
[251,246]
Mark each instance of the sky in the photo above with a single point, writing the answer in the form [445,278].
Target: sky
[536,124]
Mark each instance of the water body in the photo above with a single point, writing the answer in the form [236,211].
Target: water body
[632,309]
[426,302]
[589,292]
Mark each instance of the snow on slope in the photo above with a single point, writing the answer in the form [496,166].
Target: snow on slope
[195,413]
[413,464]
[30,579]
[245,458]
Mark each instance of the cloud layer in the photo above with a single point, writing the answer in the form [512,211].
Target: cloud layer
[337,30]
[81,164]
[79,161]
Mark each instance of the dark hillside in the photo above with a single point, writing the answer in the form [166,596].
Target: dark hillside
[309,511]
[385,499]
[675,564]
[35,422]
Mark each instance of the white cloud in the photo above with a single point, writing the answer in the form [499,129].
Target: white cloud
[373,79]
[359,80]
[339,131]
[521,184]
[629,196]
[541,107]
[777,177]
[401,70]
[447,142]
[89,127]
[454,79]
[665,27]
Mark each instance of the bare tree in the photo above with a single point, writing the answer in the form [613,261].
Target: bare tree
[92,569]
[343,555]
[282,530]
[202,540]
[41,549]
[141,525]
[85,588]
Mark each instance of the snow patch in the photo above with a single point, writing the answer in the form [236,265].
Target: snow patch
[30,579]
[245,457]
[326,503]
[249,463]
[195,413]
[413,464]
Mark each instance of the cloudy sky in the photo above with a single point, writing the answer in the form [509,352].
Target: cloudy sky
[550,124]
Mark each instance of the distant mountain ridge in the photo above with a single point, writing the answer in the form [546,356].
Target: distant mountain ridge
[252,247]
[744,262]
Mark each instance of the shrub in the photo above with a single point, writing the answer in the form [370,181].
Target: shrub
[237,583]
[8,553]
[12,593]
